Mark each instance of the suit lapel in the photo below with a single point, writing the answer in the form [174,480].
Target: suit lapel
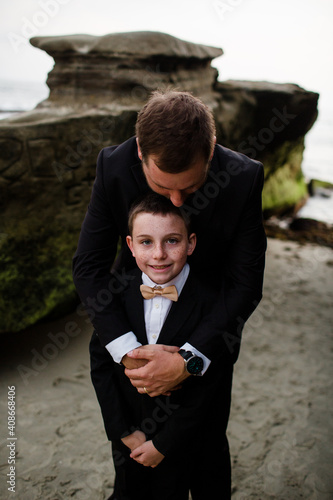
[179,313]
[134,308]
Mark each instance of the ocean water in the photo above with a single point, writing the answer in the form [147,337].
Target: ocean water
[20,96]
[318,155]
[318,164]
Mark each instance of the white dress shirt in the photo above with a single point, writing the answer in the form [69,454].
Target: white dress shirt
[155,311]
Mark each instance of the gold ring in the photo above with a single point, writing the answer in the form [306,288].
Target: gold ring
[145,390]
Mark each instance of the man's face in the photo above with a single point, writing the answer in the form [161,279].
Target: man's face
[160,245]
[176,187]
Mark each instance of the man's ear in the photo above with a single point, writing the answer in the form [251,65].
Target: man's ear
[129,242]
[139,150]
[192,243]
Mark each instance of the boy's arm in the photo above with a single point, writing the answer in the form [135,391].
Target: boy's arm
[147,455]
[184,424]
[183,421]
[134,440]
[103,377]
[186,415]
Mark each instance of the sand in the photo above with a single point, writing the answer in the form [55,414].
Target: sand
[281,422]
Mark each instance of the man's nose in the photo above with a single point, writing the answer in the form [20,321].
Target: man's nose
[177,198]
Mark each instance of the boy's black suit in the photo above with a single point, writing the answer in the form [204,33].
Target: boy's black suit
[189,426]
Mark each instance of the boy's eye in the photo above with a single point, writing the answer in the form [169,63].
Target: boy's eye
[145,242]
[173,241]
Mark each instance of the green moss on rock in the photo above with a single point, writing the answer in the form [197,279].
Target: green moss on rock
[35,273]
[284,184]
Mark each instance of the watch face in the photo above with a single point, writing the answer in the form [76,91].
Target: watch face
[195,365]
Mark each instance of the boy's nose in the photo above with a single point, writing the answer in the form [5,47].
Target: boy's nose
[159,252]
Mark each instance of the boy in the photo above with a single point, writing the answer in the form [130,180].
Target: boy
[175,436]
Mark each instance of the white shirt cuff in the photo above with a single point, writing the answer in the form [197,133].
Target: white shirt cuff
[206,361]
[122,345]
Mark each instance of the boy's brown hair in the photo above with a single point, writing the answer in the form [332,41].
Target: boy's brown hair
[154,203]
[177,128]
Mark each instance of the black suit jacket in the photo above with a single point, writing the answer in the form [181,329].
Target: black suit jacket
[227,218]
[189,414]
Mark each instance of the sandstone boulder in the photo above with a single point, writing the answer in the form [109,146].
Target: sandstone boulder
[122,68]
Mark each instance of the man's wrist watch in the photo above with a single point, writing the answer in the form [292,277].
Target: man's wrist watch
[193,363]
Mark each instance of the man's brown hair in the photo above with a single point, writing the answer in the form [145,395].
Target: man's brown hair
[154,203]
[177,128]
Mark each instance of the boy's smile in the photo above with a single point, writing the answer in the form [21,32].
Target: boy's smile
[160,245]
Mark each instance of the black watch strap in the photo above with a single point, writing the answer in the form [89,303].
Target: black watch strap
[185,354]
[193,363]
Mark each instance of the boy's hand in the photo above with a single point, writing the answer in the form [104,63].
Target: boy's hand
[131,363]
[134,440]
[164,371]
[147,455]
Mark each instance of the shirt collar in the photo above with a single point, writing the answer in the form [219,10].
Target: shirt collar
[179,280]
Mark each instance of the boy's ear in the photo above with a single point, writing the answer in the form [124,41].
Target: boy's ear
[129,242]
[192,243]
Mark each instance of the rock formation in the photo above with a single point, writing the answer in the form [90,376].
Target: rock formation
[268,122]
[97,86]
[121,69]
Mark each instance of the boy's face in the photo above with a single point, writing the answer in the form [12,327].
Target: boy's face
[160,245]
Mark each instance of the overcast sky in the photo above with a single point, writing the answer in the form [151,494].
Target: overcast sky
[275,40]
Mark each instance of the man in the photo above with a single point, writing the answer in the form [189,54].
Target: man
[174,154]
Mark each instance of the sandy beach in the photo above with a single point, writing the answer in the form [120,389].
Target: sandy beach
[281,422]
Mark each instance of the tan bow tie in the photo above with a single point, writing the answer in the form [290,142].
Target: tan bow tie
[169,292]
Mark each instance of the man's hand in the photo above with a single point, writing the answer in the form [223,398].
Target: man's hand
[147,455]
[164,371]
[134,440]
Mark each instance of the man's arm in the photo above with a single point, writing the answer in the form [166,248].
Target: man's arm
[242,290]
[97,247]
